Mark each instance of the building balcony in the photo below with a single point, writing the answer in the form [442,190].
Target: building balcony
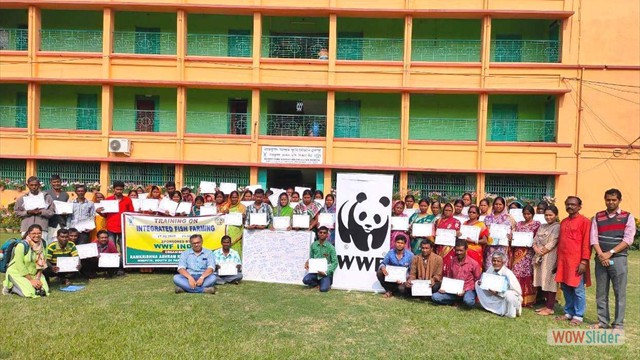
[443,50]
[522,118]
[367,127]
[14,39]
[370,49]
[70,118]
[71,40]
[295,125]
[219,45]
[144,109]
[518,40]
[138,42]
[13,116]
[367,116]
[439,117]
[443,129]
[526,130]
[144,120]
[295,47]
[217,123]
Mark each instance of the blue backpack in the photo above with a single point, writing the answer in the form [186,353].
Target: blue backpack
[8,250]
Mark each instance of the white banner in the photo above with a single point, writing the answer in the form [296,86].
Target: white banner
[362,229]
[292,155]
[275,256]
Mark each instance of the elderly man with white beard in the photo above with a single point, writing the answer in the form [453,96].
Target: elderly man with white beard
[506,302]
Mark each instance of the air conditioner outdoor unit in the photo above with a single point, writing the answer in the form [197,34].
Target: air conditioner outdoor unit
[120,146]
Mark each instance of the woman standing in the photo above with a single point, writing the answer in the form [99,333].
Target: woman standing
[544,262]
[420,217]
[476,247]
[247,195]
[522,258]
[458,207]
[499,215]
[235,232]
[435,209]
[220,203]
[484,209]
[318,195]
[410,201]
[398,211]
[24,274]
[447,221]
[541,207]
[101,221]
[195,209]
[307,207]
[330,208]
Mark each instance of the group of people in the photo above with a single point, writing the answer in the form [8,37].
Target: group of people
[559,253]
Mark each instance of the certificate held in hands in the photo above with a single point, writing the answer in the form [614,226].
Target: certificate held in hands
[522,239]
[470,232]
[400,223]
[498,233]
[34,202]
[446,237]
[421,288]
[107,260]
[207,187]
[63,208]
[452,286]
[227,269]
[109,206]
[301,221]
[396,273]
[492,282]
[422,230]
[68,263]
[233,219]
[258,219]
[281,222]
[207,210]
[327,219]
[318,265]
[87,250]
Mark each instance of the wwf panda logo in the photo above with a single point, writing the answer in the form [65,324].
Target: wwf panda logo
[364,222]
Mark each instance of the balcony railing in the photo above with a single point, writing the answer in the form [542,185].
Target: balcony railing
[294,47]
[295,125]
[367,127]
[442,50]
[137,42]
[521,130]
[71,40]
[14,39]
[370,49]
[144,120]
[217,123]
[538,51]
[443,129]
[219,45]
[70,118]
[13,116]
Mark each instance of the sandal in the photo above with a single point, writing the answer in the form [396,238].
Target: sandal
[388,294]
[598,326]
[546,312]
[575,322]
[561,318]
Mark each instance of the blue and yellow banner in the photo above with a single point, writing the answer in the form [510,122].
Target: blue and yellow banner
[157,241]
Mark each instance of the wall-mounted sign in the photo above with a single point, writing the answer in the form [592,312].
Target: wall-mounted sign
[292,155]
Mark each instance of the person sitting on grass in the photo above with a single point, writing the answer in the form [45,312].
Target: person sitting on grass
[426,266]
[62,247]
[105,246]
[508,301]
[322,249]
[24,274]
[226,255]
[195,269]
[464,268]
[396,257]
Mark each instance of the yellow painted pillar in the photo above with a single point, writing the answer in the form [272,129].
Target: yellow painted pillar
[33,118]
[181,42]
[253,175]
[485,53]
[108,20]
[257,45]
[181,120]
[31,168]
[179,176]
[327,181]
[333,48]
[404,183]
[480,181]
[104,177]
[404,126]
[255,125]
[331,115]
[107,116]
[406,61]
[483,103]
[33,31]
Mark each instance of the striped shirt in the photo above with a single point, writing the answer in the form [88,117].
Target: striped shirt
[220,258]
[81,211]
[54,251]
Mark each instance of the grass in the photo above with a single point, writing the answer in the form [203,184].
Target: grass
[139,317]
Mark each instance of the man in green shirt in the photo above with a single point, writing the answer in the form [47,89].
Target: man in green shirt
[321,249]
[60,248]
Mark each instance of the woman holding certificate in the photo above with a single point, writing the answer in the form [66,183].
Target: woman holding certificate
[476,245]
[220,203]
[398,211]
[329,208]
[101,221]
[24,274]
[522,256]
[422,217]
[308,207]
[497,240]
[447,222]
[544,262]
[235,232]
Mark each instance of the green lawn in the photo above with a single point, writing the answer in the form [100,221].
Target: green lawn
[139,317]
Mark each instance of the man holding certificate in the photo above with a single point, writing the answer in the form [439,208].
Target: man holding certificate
[83,215]
[56,192]
[499,290]
[228,263]
[35,207]
[59,249]
[465,269]
[426,266]
[91,265]
[396,258]
[322,262]
[262,213]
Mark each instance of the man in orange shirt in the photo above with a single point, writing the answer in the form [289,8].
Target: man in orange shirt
[573,261]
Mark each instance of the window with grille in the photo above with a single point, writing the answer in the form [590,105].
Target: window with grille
[193,174]
[450,186]
[69,172]
[13,169]
[524,187]
[141,174]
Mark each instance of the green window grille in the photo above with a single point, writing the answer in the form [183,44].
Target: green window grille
[524,187]
[193,174]
[13,169]
[70,172]
[396,177]
[141,174]
[450,186]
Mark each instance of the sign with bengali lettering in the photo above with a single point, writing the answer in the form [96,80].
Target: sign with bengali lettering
[300,155]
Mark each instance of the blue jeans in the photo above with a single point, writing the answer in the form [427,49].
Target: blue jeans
[324,282]
[183,282]
[221,280]
[469,298]
[575,300]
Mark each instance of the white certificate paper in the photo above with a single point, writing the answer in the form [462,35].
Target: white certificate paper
[446,237]
[319,202]
[470,231]
[86,225]
[539,218]
[234,219]
[300,190]
[68,263]
[150,205]
[516,214]
[461,218]
[452,286]
[62,207]
[247,203]
[281,222]
[137,204]
[207,187]
[301,221]
[421,288]
[253,188]
[168,205]
[207,210]
[293,204]
[87,250]
[409,212]
[227,188]
[228,268]
[492,282]
[316,265]
[184,208]
[396,273]
[258,219]
[107,260]
[422,230]
[499,234]
[109,206]
[522,239]
[327,219]
[400,223]
[34,202]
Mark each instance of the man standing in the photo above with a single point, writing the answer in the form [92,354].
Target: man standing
[44,208]
[462,268]
[57,194]
[226,255]
[169,188]
[195,269]
[612,232]
[60,248]
[259,207]
[114,220]
[321,249]
[397,257]
[84,213]
[426,266]
[573,261]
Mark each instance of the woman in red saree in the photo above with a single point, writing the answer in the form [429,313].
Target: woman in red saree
[447,221]
[522,258]
[476,248]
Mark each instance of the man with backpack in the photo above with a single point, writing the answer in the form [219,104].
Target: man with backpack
[35,207]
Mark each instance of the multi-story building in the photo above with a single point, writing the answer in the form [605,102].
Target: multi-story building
[524,98]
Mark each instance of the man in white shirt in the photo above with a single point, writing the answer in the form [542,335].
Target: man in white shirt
[508,301]
[40,213]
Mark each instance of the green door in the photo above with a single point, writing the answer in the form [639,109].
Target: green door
[239,43]
[87,112]
[508,48]
[504,122]
[350,46]
[347,119]
[21,110]
[147,40]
